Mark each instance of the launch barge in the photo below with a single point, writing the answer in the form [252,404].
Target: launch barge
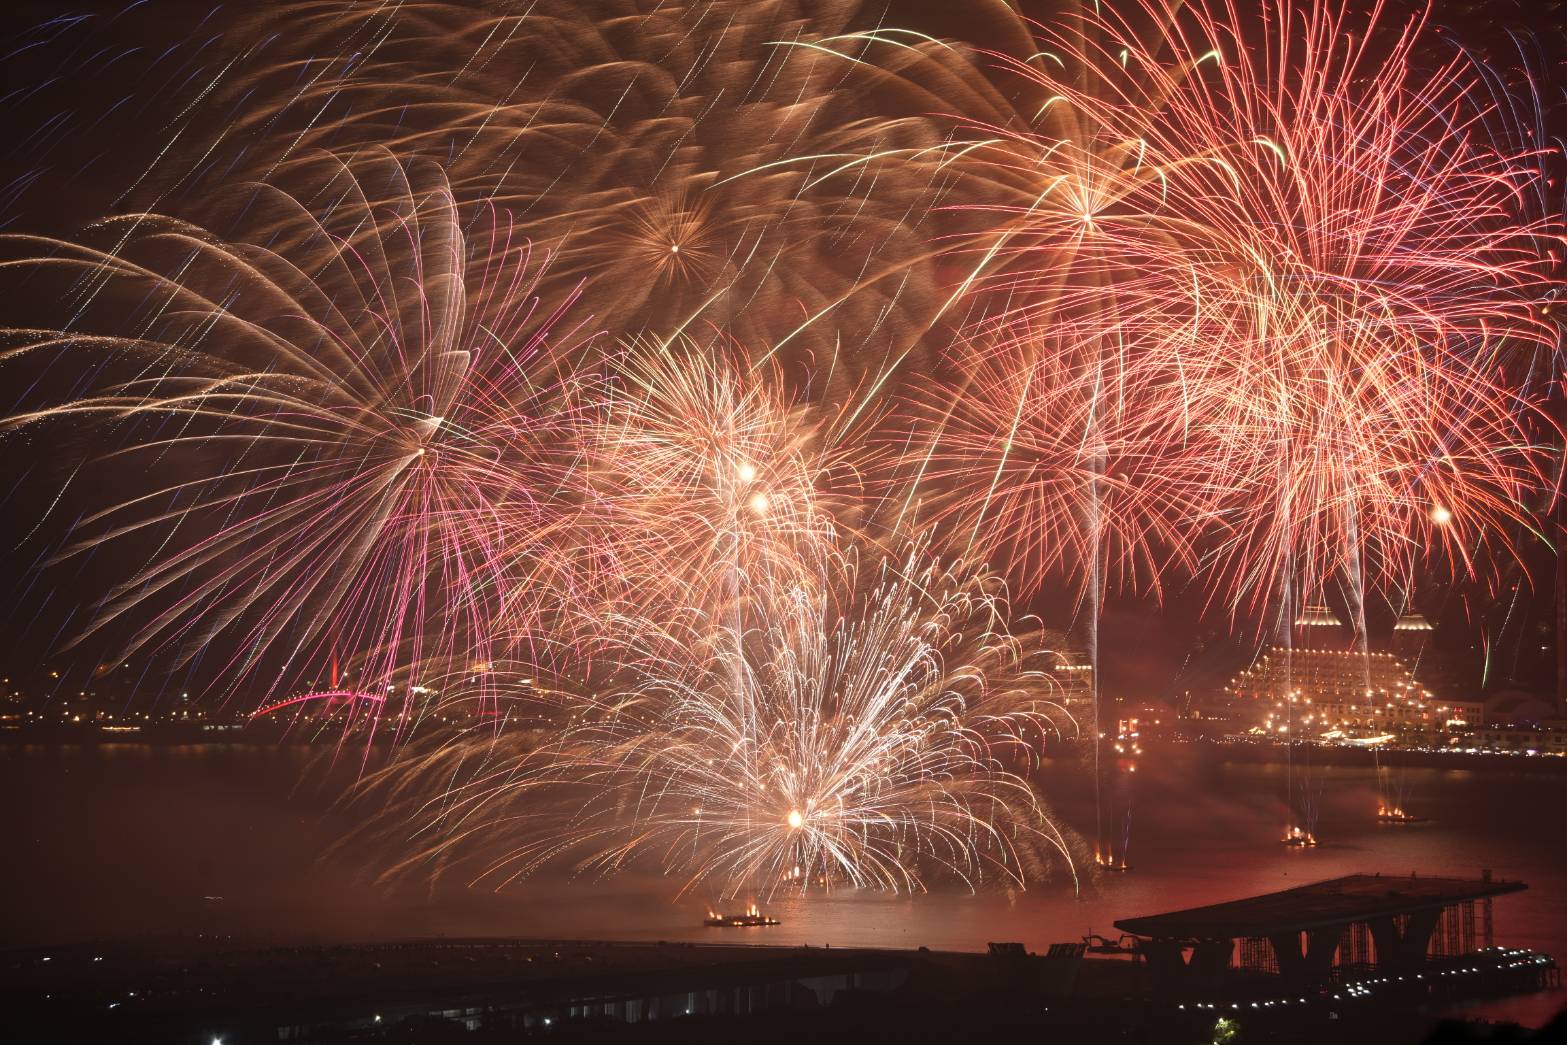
[750,919]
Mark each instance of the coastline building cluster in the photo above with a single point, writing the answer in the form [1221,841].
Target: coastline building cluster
[114,701]
[1329,685]
[124,702]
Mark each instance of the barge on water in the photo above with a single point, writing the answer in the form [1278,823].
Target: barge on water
[1396,815]
[749,920]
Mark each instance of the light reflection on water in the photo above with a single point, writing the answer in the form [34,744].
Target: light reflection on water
[124,839]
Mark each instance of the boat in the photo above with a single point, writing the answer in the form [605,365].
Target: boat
[1299,838]
[750,919]
[1396,815]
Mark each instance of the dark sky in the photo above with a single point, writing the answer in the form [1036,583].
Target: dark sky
[90,87]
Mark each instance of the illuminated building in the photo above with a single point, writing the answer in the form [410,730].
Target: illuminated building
[1072,671]
[1325,687]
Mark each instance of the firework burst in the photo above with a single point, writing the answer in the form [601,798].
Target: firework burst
[654,152]
[1294,277]
[871,737]
[709,475]
[370,421]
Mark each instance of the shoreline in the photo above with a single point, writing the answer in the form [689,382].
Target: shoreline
[1238,752]
[1242,752]
[164,989]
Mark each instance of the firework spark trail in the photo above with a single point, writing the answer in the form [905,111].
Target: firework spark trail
[1329,260]
[1383,271]
[372,417]
[616,134]
[903,720]
[1025,469]
[1336,452]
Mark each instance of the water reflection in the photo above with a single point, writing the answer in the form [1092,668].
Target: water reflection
[126,839]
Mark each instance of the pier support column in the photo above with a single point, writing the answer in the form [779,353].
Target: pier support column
[1164,959]
[1172,969]
[1211,959]
[1314,964]
[1396,950]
